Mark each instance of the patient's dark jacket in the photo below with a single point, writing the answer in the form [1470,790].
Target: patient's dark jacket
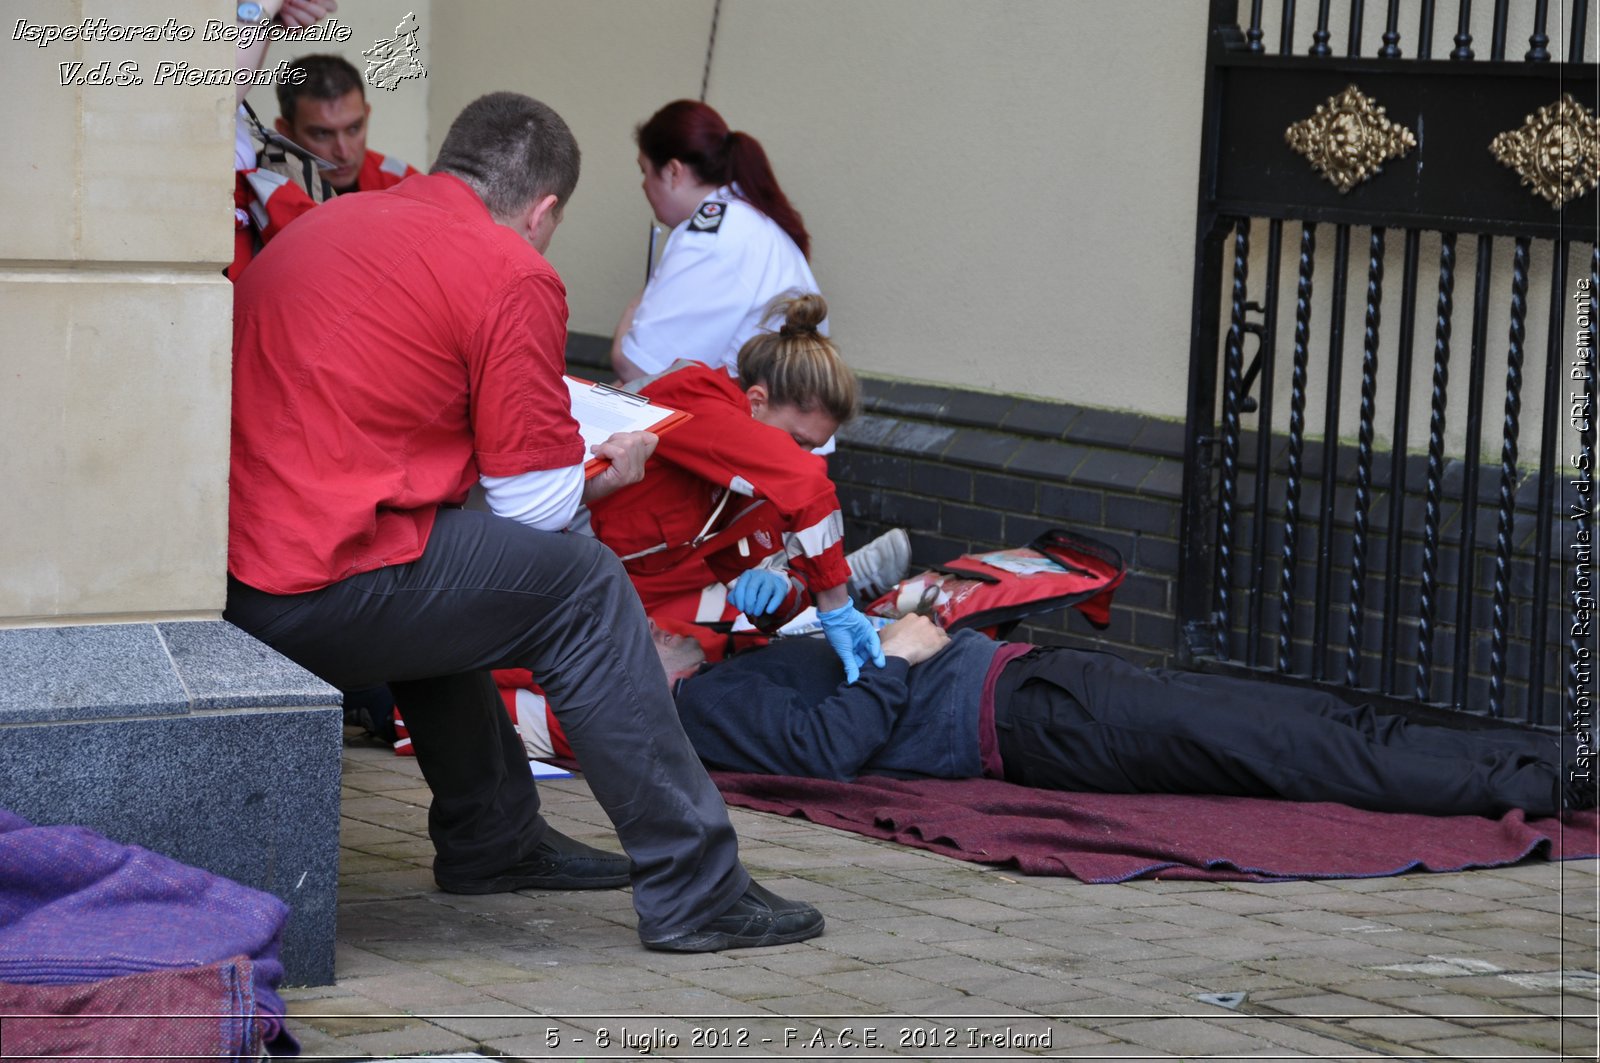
[895,720]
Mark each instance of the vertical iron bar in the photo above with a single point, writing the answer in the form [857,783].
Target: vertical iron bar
[1319,39]
[1233,373]
[1330,452]
[1508,480]
[1297,435]
[1425,31]
[1549,473]
[1497,43]
[1472,456]
[1266,357]
[1538,50]
[1398,495]
[1580,30]
[1463,49]
[1253,37]
[1197,522]
[1368,412]
[1357,11]
[1391,33]
[1286,31]
[1432,515]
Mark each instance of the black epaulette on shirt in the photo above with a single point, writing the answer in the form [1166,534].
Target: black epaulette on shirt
[708,219]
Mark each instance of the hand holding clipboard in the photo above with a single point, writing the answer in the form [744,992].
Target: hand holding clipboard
[610,421]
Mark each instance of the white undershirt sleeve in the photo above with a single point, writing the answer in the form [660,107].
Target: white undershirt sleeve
[545,499]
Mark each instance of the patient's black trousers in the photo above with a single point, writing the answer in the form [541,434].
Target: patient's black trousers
[1073,720]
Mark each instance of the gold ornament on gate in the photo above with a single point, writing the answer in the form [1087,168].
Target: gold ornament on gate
[1555,150]
[1348,139]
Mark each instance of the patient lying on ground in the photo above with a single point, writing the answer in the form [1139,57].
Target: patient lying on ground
[964,706]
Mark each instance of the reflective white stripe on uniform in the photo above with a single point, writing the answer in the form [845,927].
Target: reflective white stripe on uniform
[390,164]
[812,541]
[713,602]
[739,485]
[533,725]
[263,183]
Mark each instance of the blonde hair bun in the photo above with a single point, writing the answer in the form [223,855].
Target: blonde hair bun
[797,364]
[802,313]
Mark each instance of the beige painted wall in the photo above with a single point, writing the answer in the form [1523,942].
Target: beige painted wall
[971,173]
[604,65]
[114,322]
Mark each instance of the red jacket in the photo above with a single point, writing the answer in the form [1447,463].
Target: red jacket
[721,456]
[270,201]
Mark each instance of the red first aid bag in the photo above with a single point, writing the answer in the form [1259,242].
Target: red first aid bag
[992,591]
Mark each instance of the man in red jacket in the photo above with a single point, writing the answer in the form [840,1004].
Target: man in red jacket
[326,113]
[391,350]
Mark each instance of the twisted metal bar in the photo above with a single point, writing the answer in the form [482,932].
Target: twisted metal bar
[1233,375]
[1579,16]
[1253,37]
[1369,401]
[1286,31]
[1297,439]
[1508,480]
[1432,517]
[1549,474]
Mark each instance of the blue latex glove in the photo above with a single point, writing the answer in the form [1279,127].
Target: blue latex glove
[758,592]
[852,637]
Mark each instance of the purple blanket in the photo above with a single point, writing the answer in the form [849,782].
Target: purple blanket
[76,907]
[1116,837]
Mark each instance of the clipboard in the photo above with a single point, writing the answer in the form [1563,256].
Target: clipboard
[602,410]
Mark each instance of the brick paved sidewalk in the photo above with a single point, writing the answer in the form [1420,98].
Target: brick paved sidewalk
[930,958]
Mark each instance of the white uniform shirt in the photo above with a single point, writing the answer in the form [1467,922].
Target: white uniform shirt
[717,273]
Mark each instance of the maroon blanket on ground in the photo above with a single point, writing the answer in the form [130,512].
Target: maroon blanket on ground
[1116,837]
[195,1013]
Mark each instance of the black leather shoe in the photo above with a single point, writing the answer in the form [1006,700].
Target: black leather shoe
[559,863]
[760,917]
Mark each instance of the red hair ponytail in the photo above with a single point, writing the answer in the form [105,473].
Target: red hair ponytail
[695,134]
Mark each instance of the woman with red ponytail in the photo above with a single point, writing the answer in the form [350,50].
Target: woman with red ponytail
[736,244]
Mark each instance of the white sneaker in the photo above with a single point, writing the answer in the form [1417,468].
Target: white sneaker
[879,565]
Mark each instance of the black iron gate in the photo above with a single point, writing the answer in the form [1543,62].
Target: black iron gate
[1400,550]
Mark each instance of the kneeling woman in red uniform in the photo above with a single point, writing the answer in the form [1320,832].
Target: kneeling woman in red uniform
[734,495]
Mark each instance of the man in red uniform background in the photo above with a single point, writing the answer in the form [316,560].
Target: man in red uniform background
[326,113]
